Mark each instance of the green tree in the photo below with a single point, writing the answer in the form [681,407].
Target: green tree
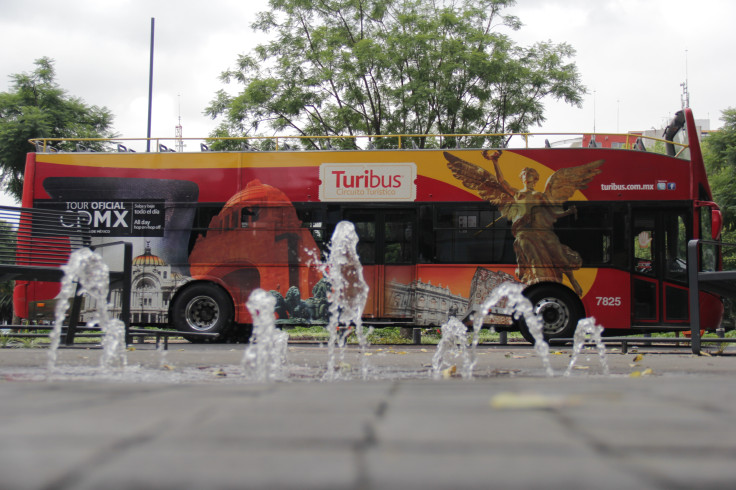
[720,162]
[351,67]
[36,107]
[719,154]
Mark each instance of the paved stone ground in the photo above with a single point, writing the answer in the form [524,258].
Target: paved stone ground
[193,419]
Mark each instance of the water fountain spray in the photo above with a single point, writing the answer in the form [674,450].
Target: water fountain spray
[588,329]
[266,352]
[90,271]
[347,297]
[452,347]
[522,307]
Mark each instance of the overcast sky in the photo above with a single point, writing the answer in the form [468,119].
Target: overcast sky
[631,54]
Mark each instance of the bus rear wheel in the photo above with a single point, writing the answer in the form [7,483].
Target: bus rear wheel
[557,309]
[203,308]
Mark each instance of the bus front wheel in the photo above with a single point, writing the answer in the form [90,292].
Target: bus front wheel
[202,308]
[558,310]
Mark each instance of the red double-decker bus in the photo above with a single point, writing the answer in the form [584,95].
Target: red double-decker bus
[589,231]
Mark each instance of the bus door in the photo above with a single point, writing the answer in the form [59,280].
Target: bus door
[659,268]
[386,249]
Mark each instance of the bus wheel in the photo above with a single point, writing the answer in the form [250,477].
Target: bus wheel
[558,310]
[203,308]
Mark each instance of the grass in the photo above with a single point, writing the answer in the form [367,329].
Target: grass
[388,335]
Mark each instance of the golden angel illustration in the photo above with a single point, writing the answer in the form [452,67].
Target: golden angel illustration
[540,256]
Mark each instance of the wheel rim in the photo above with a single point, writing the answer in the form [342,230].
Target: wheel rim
[202,313]
[554,314]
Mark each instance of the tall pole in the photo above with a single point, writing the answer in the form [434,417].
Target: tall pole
[593,111]
[150,89]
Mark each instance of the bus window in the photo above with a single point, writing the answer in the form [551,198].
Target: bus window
[398,237]
[588,231]
[644,244]
[365,227]
[205,221]
[248,216]
[425,245]
[473,234]
[620,244]
[676,247]
[708,252]
[314,218]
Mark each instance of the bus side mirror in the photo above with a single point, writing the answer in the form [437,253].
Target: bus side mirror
[717,223]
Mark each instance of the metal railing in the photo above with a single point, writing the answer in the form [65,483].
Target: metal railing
[36,243]
[628,141]
[722,283]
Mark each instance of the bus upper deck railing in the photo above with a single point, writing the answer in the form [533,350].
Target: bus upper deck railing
[626,141]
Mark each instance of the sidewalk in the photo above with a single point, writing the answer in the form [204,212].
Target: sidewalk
[510,427]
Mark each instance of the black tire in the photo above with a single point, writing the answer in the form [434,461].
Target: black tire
[558,309]
[202,308]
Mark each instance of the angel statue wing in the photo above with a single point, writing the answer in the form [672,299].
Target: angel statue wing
[562,184]
[479,179]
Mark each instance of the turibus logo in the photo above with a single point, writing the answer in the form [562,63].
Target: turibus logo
[367,182]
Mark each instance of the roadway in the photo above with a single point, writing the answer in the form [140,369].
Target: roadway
[193,418]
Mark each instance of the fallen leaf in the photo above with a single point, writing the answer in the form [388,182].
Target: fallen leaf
[557,353]
[422,350]
[221,373]
[449,372]
[368,353]
[706,353]
[581,367]
[530,401]
[167,367]
[131,349]
[647,372]
[638,357]
[635,374]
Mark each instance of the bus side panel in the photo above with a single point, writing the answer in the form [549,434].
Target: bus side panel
[609,299]
[29,178]
[21,293]
[27,291]
[711,311]
[373,276]
[439,291]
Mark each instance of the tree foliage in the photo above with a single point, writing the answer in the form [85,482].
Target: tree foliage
[720,161]
[351,67]
[719,153]
[36,107]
